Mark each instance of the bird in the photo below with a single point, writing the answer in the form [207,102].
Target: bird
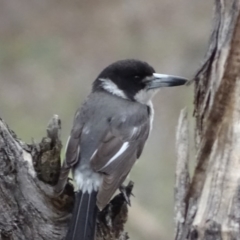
[108,135]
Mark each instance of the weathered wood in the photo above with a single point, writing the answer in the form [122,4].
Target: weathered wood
[29,208]
[182,178]
[213,200]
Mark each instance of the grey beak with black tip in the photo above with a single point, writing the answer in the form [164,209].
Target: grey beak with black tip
[163,80]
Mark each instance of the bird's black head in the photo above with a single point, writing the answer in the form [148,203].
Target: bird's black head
[134,80]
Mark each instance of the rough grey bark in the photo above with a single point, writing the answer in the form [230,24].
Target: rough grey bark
[29,209]
[210,208]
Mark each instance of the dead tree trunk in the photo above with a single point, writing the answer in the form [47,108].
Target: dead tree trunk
[29,209]
[209,206]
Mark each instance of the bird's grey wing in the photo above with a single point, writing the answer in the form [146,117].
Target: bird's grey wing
[115,156]
[72,153]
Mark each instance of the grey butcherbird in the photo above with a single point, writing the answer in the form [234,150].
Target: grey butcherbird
[108,135]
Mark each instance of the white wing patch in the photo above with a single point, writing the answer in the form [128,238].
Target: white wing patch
[134,131]
[88,180]
[86,130]
[120,151]
[93,154]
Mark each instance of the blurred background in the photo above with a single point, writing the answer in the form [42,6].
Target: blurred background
[51,51]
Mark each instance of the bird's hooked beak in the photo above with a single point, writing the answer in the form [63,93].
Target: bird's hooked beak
[163,80]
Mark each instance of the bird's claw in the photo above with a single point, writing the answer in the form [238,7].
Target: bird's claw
[127,192]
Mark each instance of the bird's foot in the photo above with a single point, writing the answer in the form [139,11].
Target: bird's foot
[127,192]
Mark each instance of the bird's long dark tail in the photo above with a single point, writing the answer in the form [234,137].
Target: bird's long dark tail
[83,222]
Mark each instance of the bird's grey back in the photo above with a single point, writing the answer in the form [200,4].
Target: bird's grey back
[101,110]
